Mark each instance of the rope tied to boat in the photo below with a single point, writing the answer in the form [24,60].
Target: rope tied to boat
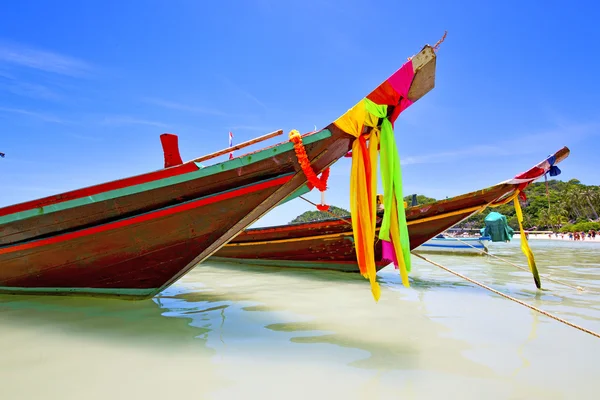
[437,45]
[328,212]
[578,288]
[313,180]
[506,296]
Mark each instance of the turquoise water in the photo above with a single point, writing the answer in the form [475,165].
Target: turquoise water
[232,332]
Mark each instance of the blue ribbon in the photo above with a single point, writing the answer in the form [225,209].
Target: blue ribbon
[554,170]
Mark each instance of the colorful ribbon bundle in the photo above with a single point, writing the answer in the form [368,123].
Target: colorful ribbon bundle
[373,112]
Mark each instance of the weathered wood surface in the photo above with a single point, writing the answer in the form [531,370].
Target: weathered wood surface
[144,252]
[424,64]
[105,211]
[332,240]
[323,244]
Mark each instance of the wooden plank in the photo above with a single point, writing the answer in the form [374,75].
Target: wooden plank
[239,146]
[424,66]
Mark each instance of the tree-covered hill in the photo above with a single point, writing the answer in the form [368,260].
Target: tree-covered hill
[317,215]
[565,206]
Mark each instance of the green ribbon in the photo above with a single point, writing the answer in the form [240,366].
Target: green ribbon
[391,177]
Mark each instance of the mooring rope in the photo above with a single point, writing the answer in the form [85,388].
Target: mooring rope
[539,310]
[330,213]
[437,45]
[579,288]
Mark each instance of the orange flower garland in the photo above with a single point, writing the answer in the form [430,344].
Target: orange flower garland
[313,180]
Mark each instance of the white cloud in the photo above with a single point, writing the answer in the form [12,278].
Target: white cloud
[119,120]
[43,60]
[34,114]
[183,107]
[243,92]
[552,140]
[32,90]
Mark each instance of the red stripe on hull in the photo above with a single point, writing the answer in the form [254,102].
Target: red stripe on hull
[145,217]
[99,212]
[425,222]
[336,249]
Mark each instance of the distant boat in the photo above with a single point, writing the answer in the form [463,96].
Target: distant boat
[443,243]
[329,244]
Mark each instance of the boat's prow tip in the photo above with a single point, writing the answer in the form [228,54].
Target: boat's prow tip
[562,153]
[424,66]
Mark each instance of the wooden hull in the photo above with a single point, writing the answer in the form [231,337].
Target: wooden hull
[136,254]
[329,244]
[127,197]
[136,236]
[134,257]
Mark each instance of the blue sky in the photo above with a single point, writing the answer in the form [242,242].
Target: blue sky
[86,88]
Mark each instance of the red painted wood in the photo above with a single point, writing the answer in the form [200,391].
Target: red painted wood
[182,208]
[145,253]
[170,145]
[341,249]
[106,211]
[478,198]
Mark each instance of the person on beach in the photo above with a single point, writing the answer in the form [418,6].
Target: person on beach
[379,202]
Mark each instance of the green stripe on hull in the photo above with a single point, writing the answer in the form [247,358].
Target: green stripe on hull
[203,172]
[116,292]
[161,209]
[344,267]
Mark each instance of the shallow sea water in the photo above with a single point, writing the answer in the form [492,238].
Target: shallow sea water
[231,332]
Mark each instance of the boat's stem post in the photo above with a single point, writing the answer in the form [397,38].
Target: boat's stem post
[170,145]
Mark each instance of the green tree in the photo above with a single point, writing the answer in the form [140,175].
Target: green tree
[550,205]
[316,215]
[421,199]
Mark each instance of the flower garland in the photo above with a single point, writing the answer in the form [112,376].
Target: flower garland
[313,180]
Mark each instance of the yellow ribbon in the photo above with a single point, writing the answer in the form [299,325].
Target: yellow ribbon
[525,245]
[363,208]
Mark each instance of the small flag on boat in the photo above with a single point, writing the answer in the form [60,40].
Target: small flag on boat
[230,144]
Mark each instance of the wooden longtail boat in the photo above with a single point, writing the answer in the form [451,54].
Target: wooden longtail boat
[329,244]
[134,237]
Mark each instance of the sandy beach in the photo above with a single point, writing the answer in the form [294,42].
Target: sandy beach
[559,238]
